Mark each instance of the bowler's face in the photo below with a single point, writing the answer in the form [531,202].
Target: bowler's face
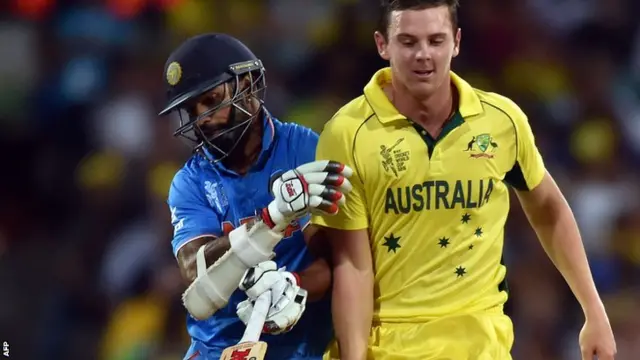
[420,46]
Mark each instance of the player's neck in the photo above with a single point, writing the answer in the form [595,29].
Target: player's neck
[243,158]
[431,112]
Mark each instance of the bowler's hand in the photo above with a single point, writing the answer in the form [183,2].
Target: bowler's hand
[596,338]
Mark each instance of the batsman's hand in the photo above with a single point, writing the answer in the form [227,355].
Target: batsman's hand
[318,187]
[288,300]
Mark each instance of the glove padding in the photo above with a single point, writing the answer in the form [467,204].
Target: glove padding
[317,187]
[279,320]
[288,300]
[266,276]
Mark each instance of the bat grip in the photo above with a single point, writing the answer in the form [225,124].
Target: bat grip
[257,319]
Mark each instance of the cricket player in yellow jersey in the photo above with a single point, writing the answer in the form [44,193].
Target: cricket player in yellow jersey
[417,249]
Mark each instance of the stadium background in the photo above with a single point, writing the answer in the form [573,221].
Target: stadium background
[85,263]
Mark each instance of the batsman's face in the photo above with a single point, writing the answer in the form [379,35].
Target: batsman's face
[221,115]
[420,46]
[217,120]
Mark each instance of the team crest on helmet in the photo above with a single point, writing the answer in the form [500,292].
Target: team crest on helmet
[174,73]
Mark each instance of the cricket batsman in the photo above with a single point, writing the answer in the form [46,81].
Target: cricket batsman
[236,203]
[417,250]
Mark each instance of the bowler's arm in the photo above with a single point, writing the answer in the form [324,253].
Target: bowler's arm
[316,278]
[352,291]
[554,223]
[550,215]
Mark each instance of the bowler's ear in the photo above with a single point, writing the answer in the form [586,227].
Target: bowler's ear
[381,45]
[456,43]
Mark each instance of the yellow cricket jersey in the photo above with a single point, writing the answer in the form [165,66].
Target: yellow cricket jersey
[435,208]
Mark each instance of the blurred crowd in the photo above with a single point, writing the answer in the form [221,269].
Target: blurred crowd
[86,267]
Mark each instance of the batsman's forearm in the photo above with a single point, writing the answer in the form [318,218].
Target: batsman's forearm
[316,279]
[214,249]
[560,237]
[352,310]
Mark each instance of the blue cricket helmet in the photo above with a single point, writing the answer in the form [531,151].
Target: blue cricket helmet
[200,64]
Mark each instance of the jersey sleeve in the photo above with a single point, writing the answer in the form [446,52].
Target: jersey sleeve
[191,216]
[528,170]
[306,142]
[336,143]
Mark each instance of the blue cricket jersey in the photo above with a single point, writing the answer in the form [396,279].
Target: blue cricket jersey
[207,199]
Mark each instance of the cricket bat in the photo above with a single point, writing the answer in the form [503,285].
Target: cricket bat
[250,347]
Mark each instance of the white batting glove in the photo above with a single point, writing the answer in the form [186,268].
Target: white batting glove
[288,300]
[281,317]
[266,276]
[315,187]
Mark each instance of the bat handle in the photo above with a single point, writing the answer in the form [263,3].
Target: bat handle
[257,319]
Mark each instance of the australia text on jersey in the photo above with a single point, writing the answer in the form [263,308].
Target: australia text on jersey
[438,194]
